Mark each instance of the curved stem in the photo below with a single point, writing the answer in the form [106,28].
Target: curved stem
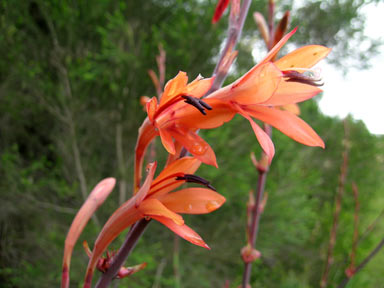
[363,263]
[129,244]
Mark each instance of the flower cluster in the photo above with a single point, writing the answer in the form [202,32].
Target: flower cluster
[267,93]
[262,93]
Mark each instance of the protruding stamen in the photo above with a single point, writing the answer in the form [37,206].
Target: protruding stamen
[294,76]
[196,179]
[198,103]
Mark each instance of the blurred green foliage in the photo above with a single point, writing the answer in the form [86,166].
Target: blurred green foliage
[71,75]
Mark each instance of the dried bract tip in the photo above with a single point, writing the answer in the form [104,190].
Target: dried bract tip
[190,178]
[128,271]
[281,28]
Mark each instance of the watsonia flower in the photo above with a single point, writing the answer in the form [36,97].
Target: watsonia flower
[154,201]
[261,94]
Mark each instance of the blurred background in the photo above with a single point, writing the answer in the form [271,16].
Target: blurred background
[71,77]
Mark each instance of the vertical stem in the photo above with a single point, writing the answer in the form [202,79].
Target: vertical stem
[256,212]
[356,225]
[129,244]
[235,29]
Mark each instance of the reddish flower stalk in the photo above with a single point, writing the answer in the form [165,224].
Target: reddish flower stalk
[271,38]
[356,227]
[129,244]
[362,264]
[338,201]
[228,55]
[371,227]
[256,212]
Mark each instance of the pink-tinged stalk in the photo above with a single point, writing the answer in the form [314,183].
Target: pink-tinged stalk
[94,200]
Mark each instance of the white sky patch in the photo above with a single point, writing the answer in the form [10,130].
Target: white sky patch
[360,93]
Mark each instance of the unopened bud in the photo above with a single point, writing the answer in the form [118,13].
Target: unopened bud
[262,25]
[350,271]
[249,254]
[281,28]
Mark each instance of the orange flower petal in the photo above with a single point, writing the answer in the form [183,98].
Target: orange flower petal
[122,218]
[293,108]
[166,140]
[304,57]
[193,201]
[153,207]
[292,92]
[256,86]
[198,87]
[151,107]
[263,138]
[195,145]
[186,115]
[273,53]
[174,87]
[147,133]
[143,191]
[94,200]
[183,231]
[126,215]
[166,181]
[288,123]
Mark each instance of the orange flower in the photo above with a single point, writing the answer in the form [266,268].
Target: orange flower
[175,91]
[155,201]
[261,93]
